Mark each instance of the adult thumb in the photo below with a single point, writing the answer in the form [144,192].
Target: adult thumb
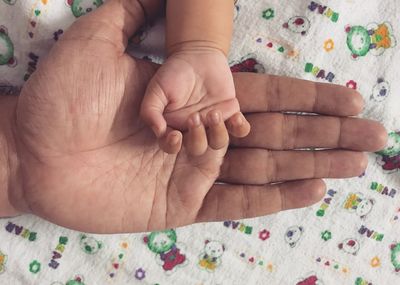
[115,22]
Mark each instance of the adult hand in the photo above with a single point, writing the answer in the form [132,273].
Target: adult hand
[84,160]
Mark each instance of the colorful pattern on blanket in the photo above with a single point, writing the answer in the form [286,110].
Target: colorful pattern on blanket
[351,237]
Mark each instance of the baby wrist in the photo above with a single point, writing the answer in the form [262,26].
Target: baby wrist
[196,46]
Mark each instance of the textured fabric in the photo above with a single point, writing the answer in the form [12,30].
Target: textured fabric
[351,237]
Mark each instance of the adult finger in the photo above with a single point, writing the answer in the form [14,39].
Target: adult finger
[258,166]
[278,131]
[232,202]
[114,22]
[263,92]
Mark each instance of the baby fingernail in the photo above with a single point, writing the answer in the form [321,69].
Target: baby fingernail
[173,139]
[239,120]
[215,118]
[196,120]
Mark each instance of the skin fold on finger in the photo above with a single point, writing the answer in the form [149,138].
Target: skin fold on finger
[217,133]
[171,143]
[263,92]
[238,126]
[195,140]
[278,131]
[258,166]
[233,202]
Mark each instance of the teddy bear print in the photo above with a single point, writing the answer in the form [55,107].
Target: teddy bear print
[210,258]
[6,49]
[375,38]
[248,64]
[89,244]
[298,25]
[357,203]
[350,246]
[164,245]
[395,256]
[376,107]
[77,280]
[82,7]
[293,235]
[380,91]
[389,158]
[312,279]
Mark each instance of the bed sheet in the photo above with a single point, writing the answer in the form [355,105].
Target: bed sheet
[351,237]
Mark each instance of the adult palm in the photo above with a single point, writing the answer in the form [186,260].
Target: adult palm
[87,162]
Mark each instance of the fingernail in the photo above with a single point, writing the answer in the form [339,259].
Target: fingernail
[173,139]
[196,120]
[239,120]
[215,118]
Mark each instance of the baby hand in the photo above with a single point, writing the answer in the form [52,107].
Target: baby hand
[197,139]
[189,82]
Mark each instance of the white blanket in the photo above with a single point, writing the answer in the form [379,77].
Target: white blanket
[351,237]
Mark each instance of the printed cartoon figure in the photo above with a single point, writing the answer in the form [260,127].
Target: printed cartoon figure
[390,157]
[10,2]
[3,261]
[293,235]
[89,244]
[248,64]
[355,202]
[163,244]
[395,256]
[210,258]
[350,246]
[380,91]
[298,24]
[375,38]
[312,279]
[82,7]
[78,280]
[360,281]
[6,49]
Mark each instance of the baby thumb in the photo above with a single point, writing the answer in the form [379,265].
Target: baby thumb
[152,109]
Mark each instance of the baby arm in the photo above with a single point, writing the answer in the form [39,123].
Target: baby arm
[194,25]
[196,76]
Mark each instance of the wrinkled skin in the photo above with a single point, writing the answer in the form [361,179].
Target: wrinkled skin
[87,162]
